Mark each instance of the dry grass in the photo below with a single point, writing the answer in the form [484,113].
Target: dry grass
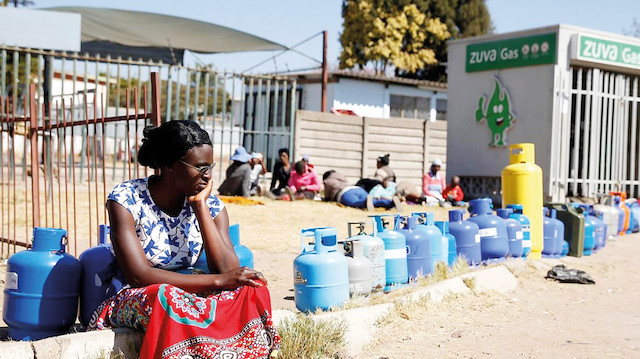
[306,338]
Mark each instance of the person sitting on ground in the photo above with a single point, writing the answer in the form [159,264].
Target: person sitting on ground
[257,169]
[238,180]
[453,193]
[161,225]
[338,189]
[280,173]
[383,170]
[303,182]
[433,183]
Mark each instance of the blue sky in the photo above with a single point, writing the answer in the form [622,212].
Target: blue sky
[291,21]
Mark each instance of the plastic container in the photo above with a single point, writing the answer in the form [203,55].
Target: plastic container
[494,242]
[634,207]
[374,250]
[360,275]
[42,287]
[526,227]
[444,228]
[395,251]
[514,232]
[573,226]
[467,237]
[419,258]
[99,268]
[320,273]
[439,245]
[522,184]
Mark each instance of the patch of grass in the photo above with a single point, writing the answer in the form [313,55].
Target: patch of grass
[405,310]
[306,338]
[470,282]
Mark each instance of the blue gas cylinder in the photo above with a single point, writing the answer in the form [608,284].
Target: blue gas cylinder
[526,227]
[395,251]
[514,232]
[550,234]
[41,288]
[451,241]
[565,248]
[99,268]
[494,242]
[320,272]
[437,243]
[373,248]
[419,258]
[245,256]
[599,228]
[634,221]
[467,237]
[589,236]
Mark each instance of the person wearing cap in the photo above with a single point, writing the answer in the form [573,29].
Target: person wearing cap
[433,183]
[238,180]
[257,168]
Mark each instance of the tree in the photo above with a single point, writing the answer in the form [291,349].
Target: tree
[634,30]
[463,18]
[378,32]
[17,3]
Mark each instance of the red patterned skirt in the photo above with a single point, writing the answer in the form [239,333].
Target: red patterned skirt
[178,324]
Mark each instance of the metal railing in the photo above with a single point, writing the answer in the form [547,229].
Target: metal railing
[41,90]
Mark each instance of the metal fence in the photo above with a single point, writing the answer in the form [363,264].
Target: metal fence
[595,147]
[254,111]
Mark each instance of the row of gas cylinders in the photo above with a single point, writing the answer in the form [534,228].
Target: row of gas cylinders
[43,284]
[400,249]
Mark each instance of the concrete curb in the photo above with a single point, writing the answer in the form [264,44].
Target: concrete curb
[361,322]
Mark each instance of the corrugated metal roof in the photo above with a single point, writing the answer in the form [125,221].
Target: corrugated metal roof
[361,75]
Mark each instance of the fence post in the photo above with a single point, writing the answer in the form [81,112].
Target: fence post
[155,99]
[365,145]
[35,171]
[425,163]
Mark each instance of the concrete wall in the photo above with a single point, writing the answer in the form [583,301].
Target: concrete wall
[351,144]
[532,101]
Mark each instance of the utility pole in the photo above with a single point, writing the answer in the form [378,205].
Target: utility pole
[324,71]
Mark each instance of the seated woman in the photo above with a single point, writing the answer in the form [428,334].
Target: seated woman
[162,224]
[238,176]
[303,182]
[433,183]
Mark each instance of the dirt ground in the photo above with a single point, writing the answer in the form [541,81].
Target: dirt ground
[541,319]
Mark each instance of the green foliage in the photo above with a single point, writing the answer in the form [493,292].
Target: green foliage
[463,18]
[383,34]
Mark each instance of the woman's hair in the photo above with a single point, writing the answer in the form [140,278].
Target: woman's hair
[163,145]
[299,167]
[384,159]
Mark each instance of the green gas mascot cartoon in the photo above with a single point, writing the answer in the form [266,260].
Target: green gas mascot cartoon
[497,115]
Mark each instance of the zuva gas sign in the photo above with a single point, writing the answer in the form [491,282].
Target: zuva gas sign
[598,50]
[514,52]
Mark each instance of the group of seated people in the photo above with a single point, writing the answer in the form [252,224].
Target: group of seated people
[300,181]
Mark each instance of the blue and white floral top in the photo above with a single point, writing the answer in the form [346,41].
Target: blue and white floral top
[168,242]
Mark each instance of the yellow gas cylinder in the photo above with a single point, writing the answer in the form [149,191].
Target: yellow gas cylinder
[522,184]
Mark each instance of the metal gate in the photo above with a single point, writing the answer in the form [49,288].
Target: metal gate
[595,142]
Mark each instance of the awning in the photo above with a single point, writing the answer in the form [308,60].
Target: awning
[158,37]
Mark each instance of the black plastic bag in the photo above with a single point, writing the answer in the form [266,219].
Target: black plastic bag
[566,275]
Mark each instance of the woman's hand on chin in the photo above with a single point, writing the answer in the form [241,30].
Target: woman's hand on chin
[201,196]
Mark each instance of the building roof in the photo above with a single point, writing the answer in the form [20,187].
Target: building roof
[315,77]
